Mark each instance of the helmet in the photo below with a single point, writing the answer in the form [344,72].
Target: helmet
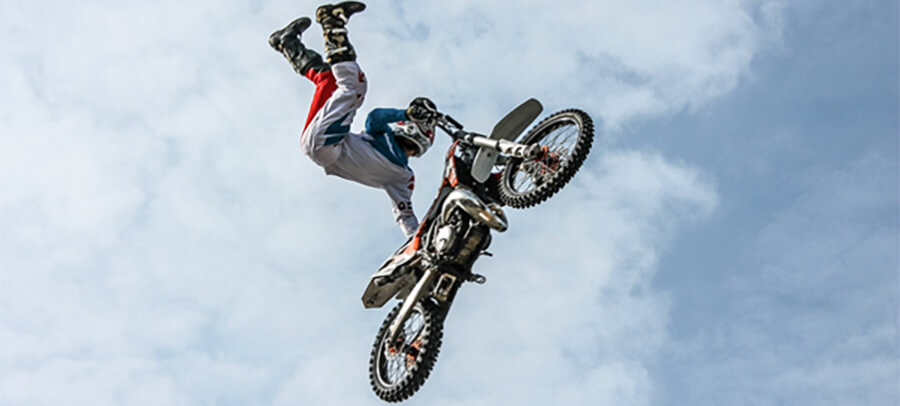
[419,136]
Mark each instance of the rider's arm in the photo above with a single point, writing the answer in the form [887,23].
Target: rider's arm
[378,119]
[401,197]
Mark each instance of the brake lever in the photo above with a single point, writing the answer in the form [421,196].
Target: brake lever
[446,123]
[452,121]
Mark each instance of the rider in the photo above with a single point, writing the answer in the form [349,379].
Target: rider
[376,157]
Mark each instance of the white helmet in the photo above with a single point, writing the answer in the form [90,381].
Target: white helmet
[418,136]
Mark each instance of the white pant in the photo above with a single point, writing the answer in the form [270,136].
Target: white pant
[339,93]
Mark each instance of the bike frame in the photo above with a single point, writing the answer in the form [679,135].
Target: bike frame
[462,191]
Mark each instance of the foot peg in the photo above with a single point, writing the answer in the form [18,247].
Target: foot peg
[479,279]
[393,277]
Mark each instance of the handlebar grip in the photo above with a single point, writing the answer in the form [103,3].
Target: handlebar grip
[452,121]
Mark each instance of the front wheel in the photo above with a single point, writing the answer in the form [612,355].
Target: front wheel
[398,370]
[565,139]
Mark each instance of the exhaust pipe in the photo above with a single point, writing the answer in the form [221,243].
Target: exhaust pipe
[490,215]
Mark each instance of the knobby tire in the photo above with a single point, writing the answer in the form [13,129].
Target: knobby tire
[572,163]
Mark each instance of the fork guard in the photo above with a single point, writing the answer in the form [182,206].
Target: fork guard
[490,215]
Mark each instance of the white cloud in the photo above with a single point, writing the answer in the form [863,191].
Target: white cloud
[620,61]
[568,305]
[163,240]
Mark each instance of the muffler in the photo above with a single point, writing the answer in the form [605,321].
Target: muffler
[490,215]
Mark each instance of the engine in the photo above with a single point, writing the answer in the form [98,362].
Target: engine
[460,240]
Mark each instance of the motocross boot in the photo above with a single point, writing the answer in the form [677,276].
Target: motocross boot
[334,18]
[293,29]
[287,42]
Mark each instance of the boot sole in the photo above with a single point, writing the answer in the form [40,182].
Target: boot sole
[345,9]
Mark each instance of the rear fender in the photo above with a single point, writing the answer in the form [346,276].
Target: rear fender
[378,291]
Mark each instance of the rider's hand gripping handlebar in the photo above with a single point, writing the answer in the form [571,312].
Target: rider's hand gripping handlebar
[455,130]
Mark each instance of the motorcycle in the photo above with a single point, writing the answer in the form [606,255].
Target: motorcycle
[481,173]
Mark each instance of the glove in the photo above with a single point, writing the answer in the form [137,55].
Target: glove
[416,113]
[421,109]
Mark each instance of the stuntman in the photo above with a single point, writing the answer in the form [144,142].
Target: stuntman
[377,157]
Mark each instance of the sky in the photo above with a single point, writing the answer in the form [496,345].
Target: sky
[732,238]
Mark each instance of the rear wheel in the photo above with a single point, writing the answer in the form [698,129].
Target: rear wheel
[565,139]
[397,371]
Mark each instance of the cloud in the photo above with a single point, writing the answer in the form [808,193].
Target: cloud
[163,240]
[576,316]
[620,61]
[810,314]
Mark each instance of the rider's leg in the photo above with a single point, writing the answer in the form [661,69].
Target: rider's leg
[306,62]
[333,19]
[287,42]
[339,92]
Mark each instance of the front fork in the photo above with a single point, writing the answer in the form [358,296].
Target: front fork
[505,147]
[442,290]
[417,292]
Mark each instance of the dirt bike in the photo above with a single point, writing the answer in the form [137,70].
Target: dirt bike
[481,173]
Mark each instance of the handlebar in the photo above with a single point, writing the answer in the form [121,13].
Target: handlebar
[454,122]
[448,124]
[455,130]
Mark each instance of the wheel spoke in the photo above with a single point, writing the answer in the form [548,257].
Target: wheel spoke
[398,371]
[523,176]
[396,365]
[560,142]
[528,178]
[554,138]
